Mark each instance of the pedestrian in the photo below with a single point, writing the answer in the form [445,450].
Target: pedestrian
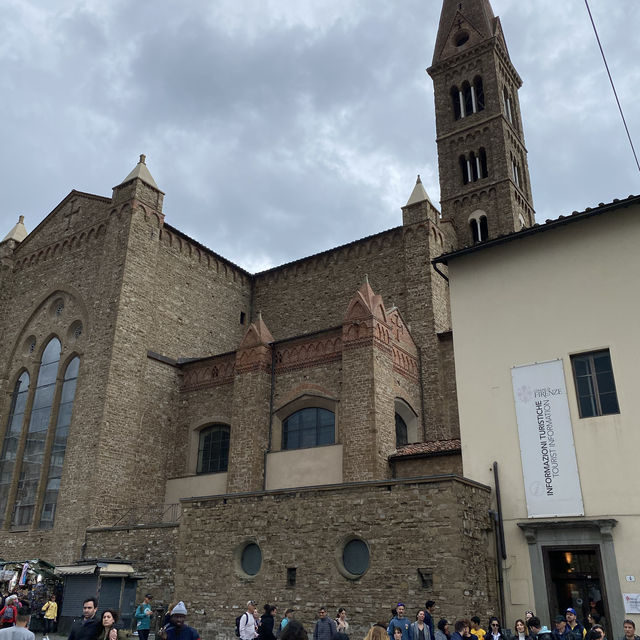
[267,623]
[429,606]
[143,617]
[21,629]
[458,630]
[476,629]
[420,629]
[528,615]
[325,628]
[596,633]
[177,629]
[377,632]
[89,626]
[50,609]
[561,632]
[593,618]
[288,615]
[294,631]
[495,630]
[9,613]
[401,622]
[520,630]
[342,625]
[110,630]
[247,626]
[576,629]
[534,626]
[629,627]
[442,632]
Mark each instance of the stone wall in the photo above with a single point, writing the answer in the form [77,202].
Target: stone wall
[152,551]
[439,526]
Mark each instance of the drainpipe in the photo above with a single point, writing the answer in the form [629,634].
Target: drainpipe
[271,397]
[501,551]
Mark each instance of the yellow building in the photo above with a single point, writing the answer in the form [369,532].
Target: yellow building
[545,326]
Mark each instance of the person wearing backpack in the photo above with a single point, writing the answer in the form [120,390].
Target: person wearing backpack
[9,613]
[246,626]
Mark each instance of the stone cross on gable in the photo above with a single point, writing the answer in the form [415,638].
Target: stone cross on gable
[73,209]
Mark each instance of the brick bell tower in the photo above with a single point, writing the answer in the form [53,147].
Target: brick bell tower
[484,175]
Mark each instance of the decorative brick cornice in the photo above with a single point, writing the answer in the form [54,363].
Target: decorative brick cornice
[309,352]
[211,373]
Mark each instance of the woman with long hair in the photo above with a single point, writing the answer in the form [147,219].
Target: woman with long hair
[109,629]
[520,630]
[495,630]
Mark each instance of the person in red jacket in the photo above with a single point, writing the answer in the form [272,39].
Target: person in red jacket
[9,612]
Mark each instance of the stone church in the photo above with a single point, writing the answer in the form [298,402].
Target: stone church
[289,436]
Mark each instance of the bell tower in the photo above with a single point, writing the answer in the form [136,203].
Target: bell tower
[484,175]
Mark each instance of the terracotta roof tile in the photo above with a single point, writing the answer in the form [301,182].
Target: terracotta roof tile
[426,448]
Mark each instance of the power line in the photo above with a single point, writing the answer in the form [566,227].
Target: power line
[615,93]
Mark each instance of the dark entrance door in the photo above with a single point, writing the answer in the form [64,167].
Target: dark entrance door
[574,579]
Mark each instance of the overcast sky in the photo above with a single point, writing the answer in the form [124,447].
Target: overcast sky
[281,128]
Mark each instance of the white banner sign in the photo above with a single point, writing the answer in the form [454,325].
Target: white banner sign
[551,482]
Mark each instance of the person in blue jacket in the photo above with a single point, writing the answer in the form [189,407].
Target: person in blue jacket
[399,621]
[143,617]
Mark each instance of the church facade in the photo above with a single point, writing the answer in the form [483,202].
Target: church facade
[287,436]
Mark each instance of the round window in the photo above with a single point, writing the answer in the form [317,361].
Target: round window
[355,557]
[251,559]
[461,38]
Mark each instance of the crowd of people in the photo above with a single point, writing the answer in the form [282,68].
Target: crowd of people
[16,612]
[252,626]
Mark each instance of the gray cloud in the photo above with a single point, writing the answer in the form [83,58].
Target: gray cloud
[281,129]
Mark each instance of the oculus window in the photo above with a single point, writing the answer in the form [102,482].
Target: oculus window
[213,449]
[310,427]
[251,559]
[353,557]
[595,384]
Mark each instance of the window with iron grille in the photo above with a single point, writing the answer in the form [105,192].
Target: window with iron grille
[213,449]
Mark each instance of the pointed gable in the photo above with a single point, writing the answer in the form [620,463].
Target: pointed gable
[257,334]
[463,24]
[365,304]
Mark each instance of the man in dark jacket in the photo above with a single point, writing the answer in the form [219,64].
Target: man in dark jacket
[428,616]
[89,626]
[325,628]
[576,629]
[459,629]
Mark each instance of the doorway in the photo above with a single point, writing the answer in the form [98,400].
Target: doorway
[574,578]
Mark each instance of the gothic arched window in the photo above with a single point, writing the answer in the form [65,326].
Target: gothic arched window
[34,448]
[11,439]
[213,449]
[59,446]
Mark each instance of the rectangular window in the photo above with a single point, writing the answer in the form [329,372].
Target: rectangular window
[595,385]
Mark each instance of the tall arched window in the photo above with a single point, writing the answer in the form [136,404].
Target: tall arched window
[33,455]
[310,427]
[213,449]
[59,446]
[457,103]
[508,110]
[11,439]
[469,99]
[479,93]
